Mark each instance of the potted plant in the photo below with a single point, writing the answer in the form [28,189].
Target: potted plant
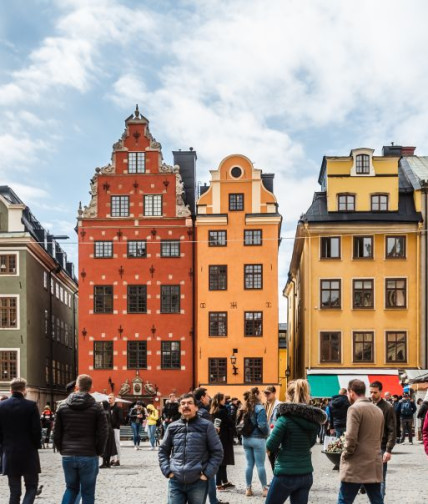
[334,451]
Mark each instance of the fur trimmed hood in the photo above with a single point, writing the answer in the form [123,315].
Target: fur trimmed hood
[310,413]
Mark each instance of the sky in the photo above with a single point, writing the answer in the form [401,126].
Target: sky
[283,82]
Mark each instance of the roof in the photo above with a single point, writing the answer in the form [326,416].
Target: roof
[416,170]
[10,196]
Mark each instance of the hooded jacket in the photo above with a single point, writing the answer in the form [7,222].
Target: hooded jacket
[190,448]
[294,434]
[339,405]
[81,427]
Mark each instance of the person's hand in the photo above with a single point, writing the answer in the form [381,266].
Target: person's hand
[203,477]
[386,457]
[170,475]
[332,432]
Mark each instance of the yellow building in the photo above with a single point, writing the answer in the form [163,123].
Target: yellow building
[354,282]
[237,231]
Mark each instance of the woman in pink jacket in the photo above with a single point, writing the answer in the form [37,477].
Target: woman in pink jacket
[425,434]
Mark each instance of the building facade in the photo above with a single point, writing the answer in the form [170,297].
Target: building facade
[136,270]
[354,281]
[237,230]
[38,304]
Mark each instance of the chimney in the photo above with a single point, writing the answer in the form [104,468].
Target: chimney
[408,151]
[397,151]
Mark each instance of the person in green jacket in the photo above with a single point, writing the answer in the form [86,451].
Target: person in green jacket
[293,436]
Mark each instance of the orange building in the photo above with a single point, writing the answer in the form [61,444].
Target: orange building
[136,270]
[237,229]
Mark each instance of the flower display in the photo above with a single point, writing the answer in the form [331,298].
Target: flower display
[336,446]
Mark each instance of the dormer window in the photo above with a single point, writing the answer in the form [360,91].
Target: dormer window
[346,202]
[136,162]
[379,202]
[362,164]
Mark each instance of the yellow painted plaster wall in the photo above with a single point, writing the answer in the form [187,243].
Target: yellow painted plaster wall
[346,320]
[236,300]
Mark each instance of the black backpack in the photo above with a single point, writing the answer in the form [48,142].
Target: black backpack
[244,425]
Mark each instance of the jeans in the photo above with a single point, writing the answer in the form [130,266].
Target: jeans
[31,481]
[191,493]
[136,429]
[152,432]
[339,431]
[80,475]
[348,492]
[255,453]
[212,491]
[296,487]
[406,425]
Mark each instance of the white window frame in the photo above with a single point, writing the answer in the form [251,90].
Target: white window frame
[357,152]
[18,313]
[18,361]
[16,254]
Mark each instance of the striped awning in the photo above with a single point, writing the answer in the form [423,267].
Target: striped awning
[327,382]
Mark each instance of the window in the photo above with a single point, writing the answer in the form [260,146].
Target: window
[170,299]
[362,164]
[170,248]
[103,249]
[236,202]
[8,365]
[330,347]
[217,238]
[218,323]
[152,205]
[137,354]
[379,202]
[253,370]
[330,293]
[363,247]
[103,299]
[253,276]
[253,323]
[252,237]
[363,346]
[137,249]
[346,202]
[46,323]
[103,354]
[8,264]
[136,162]
[395,247]
[137,299]
[66,335]
[217,369]
[330,247]
[171,355]
[363,294]
[52,287]
[57,291]
[58,330]
[53,327]
[45,280]
[396,347]
[120,206]
[218,278]
[8,312]
[395,292]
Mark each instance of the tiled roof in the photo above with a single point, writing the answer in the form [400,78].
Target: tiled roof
[416,170]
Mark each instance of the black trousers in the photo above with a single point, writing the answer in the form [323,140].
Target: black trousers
[272,458]
[31,481]
[221,476]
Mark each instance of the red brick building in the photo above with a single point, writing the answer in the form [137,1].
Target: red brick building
[136,269]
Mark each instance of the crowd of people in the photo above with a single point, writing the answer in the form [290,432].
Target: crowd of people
[199,434]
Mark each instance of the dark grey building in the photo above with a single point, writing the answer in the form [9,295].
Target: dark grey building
[38,304]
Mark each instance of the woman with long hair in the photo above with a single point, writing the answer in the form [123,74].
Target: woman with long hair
[293,436]
[225,428]
[152,419]
[254,442]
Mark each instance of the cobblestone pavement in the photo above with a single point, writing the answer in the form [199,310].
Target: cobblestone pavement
[139,479]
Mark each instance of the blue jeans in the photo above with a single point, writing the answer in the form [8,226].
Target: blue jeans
[80,475]
[136,429]
[348,492]
[182,493]
[296,487]
[31,481]
[212,491]
[255,453]
[383,484]
[152,435]
[339,431]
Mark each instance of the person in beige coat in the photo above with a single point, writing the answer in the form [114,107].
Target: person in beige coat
[361,460]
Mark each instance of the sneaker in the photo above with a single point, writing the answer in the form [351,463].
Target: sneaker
[228,485]
[220,487]
[136,448]
[411,442]
[248,492]
[265,492]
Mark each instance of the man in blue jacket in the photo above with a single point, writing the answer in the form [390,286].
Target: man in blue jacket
[20,436]
[190,455]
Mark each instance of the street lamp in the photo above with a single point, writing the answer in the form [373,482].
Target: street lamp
[233,362]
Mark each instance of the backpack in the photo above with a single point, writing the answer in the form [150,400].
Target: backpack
[406,409]
[245,426]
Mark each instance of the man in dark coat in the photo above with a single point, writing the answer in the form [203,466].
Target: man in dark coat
[80,435]
[339,405]
[20,435]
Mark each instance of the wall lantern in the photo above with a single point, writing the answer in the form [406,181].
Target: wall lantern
[120,330]
[121,271]
[84,332]
[233,362]
[153,329]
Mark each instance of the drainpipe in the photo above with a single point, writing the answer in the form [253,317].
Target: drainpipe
[74,337]
[56,269]
[193,305]
[425,259]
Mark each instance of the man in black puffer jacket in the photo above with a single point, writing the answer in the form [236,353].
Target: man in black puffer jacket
[80,435]
[339,405]
[190,454]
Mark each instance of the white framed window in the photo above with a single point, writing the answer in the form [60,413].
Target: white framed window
[8,264]
[9,364]
[9,312]
[152,205]
[45,280]
[57,291]
[136,162]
